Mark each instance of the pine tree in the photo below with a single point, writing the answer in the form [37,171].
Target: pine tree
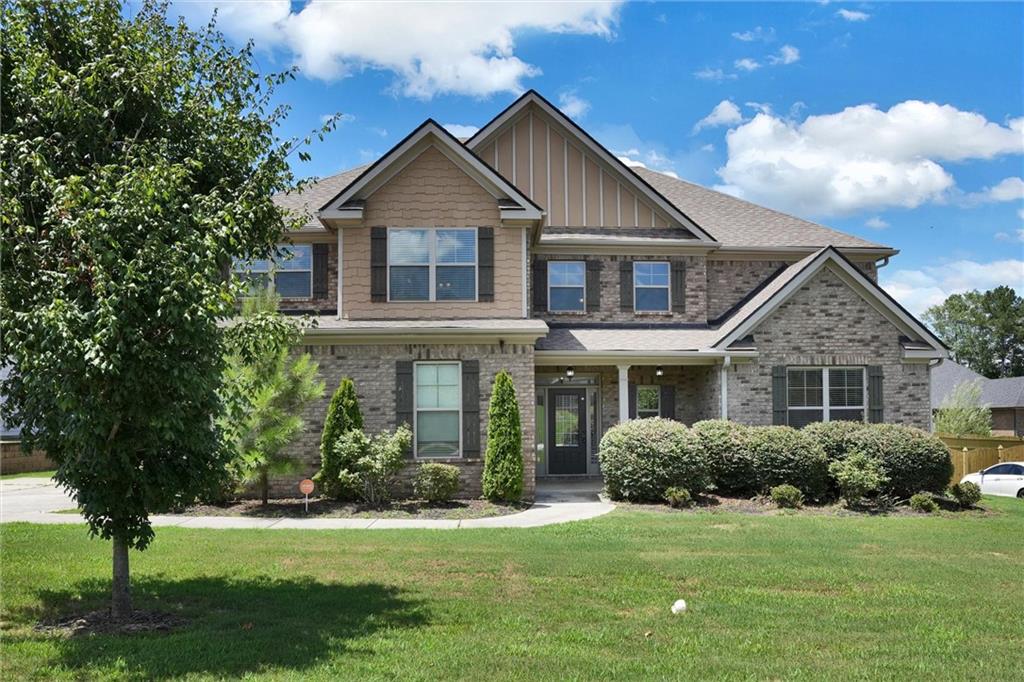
[503,461]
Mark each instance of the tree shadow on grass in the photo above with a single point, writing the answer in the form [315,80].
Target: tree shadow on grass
[234,626]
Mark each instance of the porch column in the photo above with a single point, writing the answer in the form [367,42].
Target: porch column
[723,375]
[623,394]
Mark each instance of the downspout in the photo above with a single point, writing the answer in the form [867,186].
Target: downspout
[723,375]
[340,261]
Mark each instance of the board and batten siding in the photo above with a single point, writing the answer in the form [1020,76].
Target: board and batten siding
[571,183]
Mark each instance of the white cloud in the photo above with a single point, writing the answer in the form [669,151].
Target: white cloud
[432,48]
[708,148]
[860,158]
[572,105]
[756,33]
[746,64]
[461,131]
[632,163]
[725,113]
[709,74]
[380,132]
[787,55]
[1008,189]
[763,107]
[853,15]
[1007,237]
[931,285]
[876,223]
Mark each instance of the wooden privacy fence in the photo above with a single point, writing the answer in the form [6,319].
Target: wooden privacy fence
[973,453]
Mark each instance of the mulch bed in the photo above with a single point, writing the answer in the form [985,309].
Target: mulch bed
[763,506]
[100,622]
[294,508]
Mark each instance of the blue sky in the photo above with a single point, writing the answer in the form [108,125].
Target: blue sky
[900,123]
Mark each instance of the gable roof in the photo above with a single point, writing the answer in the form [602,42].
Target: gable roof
[789,281]
[583,137]
[1007,392]
[458,153]
[739,223]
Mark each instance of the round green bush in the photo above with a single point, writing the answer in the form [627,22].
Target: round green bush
[966,494]
[784,455]
[913,460]
[787,496]
[678,497]
[436,482]
[923,502]
[726,447]
[834,437]
[642,458]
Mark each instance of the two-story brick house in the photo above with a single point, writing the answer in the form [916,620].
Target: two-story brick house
[608,292]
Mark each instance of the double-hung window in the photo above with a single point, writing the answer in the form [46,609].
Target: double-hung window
[438,397]
[825,394]
[432,264]
[648,401]
[290,271]
[567,286]
[650,287]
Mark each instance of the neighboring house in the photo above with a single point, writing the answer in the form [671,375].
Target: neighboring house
[1005,397]
[608,292]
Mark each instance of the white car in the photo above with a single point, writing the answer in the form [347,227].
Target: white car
[1005,478]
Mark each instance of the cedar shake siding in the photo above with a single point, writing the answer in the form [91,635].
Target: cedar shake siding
[828,323]
[432,192]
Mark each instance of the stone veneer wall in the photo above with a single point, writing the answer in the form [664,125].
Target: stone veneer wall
[372,368]
[828,323]
[610,310]
[329,303]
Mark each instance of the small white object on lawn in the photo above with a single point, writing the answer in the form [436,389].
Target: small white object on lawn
[679,606]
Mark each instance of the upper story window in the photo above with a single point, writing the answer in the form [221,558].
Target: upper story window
[290,271]
[648,401]
[825,394]
[567,286]
[650,287]
[432,264]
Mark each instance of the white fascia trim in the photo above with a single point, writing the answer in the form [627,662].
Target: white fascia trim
[864,286]
[632,357]
[726,252]
[341,214]
[457,153]
[595,149]
[401,335]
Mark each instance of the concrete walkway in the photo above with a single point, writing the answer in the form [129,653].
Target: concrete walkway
[34,500]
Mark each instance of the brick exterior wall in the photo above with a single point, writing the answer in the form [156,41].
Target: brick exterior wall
[432,192]
[372,368]
[610,310]
[317,304]
[828,323]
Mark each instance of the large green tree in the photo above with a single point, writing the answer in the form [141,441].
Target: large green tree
[139,160]
[984,330]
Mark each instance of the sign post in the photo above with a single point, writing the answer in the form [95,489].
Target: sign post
[306,487]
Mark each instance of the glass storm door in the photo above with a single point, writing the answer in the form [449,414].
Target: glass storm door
[567,431]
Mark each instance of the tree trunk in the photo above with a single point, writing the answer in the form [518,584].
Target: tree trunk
[264,486]
[121,603]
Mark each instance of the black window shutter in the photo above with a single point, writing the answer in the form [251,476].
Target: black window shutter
[668,402]
[779,403]
[470,408]
[626,285]
[632,401]
[678,287]
[403,397]
[875,403]
[378,264]
[485,244]
[593,286]
[540,286]
[320,270]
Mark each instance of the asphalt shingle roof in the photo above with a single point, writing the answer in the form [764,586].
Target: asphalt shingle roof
[316,194]
[1007,392]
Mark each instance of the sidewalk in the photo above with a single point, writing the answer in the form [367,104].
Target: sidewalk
[34,500]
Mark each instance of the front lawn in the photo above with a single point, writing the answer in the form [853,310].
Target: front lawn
[28,474]
[771,597]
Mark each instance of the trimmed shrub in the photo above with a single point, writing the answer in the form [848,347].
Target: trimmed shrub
[384,457]
[343,415]
[913,460]
[347,483]
[436,482]
[784,455]
[857,476]
[503,460]
[923,502]
[966,494]
[726,447]
[787,496]
[834,437]
[678,497]
[643,458]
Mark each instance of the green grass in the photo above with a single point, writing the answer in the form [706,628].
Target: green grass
[771,597]
[28,474]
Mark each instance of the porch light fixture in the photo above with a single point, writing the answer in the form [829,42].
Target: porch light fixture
[570,372]
[658,371]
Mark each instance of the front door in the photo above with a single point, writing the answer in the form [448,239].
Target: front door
[567,431]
